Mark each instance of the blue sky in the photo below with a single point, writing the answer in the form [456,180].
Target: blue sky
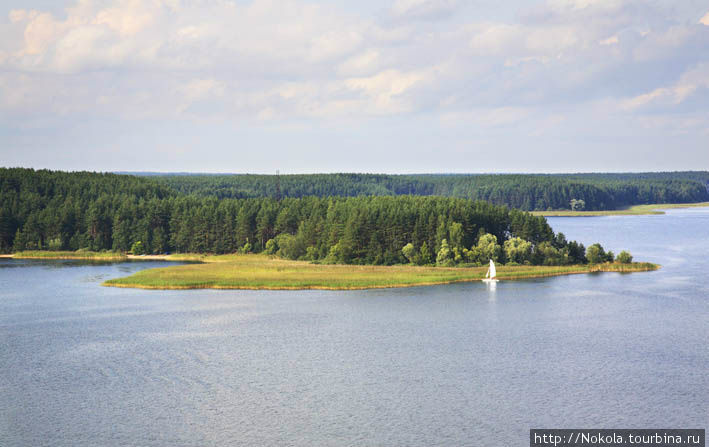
[367,86]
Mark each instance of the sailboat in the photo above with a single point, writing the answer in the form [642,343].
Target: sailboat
[491,273]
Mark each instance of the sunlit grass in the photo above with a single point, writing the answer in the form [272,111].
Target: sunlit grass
[264,272]
[631,211]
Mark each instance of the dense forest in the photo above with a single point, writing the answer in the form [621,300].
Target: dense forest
[70,211]
[522,191]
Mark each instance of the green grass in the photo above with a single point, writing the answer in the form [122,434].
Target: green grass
[79,254]
[631,211]
[264,272]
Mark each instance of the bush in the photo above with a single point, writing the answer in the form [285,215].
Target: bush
[596,254]
[517,250]
[271,247]
[487,248]
[54,244]
[138,248]
[289,246]
[624,257]
[425,257]
[311,253]
[444,257]
[335,255]
[409,252]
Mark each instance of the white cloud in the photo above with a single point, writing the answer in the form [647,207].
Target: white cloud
[41,30]
[586,4]
[388,89]
[690,82]
[609,41]
[159,34]
[128,18]
[423,9]
[705,20]
[202,88]
[361,63]
[522,41]
[20,15]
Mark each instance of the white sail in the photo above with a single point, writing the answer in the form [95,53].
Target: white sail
[491,274]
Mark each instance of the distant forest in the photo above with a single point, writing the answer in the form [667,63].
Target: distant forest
[529,192]
[51,210]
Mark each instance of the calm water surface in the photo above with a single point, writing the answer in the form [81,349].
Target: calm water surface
[84,365]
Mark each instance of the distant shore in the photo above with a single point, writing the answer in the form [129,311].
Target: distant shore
[97,256]
[269,273]
[84,255]
[631,211]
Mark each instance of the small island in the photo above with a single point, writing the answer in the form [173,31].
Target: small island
[257,271]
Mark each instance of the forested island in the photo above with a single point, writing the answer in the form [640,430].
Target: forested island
[51,210]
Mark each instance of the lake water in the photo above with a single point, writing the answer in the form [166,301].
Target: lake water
[455,365]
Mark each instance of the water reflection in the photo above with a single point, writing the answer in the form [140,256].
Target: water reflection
[491,287]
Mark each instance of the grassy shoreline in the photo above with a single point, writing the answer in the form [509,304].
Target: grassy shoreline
[263,272]
[636,210]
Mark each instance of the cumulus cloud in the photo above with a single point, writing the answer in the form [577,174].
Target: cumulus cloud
[609,41]
[162,34]
[283,59]
[361,63]
[387,89]
[705,20]
[691,83]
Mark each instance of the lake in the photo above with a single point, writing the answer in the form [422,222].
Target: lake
[453,365]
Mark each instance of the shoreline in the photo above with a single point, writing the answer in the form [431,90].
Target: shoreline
[635,210]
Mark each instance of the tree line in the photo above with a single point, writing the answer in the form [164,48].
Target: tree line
[528,192]
[69,211]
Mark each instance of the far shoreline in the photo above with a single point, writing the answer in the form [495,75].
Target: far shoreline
[90,256]
[635,210]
